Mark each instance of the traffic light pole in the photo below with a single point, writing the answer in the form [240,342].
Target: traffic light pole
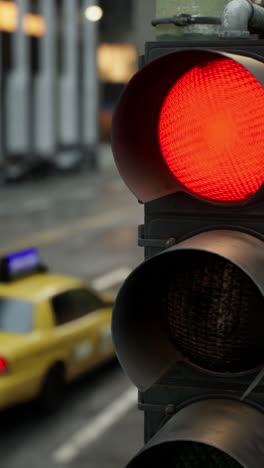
[169,8]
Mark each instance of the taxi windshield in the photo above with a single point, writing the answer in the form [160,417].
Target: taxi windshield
[15,315]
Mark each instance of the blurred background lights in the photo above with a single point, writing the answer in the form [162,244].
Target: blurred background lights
[116,62]
[93,13]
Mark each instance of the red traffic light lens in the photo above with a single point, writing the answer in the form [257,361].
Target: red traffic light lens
[211,131]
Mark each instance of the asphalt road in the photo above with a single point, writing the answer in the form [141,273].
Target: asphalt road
[83,224]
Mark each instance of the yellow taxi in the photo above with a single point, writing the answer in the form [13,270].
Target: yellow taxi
[53,328]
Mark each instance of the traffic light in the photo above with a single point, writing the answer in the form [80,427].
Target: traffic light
[188,323]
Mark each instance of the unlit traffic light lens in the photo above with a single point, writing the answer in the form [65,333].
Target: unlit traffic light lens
[194,455]
[185,455]
[211,131]
[214,314]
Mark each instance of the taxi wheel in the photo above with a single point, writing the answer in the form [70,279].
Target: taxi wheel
[52,392]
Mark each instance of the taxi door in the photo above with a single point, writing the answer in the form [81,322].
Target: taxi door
[83,329]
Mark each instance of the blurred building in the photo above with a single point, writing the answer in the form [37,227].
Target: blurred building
[51,57]
[123,30]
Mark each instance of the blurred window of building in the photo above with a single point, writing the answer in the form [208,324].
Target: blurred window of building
[34,25]
[8,16]
[116,62]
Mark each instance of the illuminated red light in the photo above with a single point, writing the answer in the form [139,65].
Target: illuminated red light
[3,365]
[211,131]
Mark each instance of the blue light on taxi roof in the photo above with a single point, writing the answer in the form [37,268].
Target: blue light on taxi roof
[21,264]
[22,261]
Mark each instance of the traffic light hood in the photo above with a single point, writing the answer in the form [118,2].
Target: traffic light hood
[192,121]
[200,302]
[207,433]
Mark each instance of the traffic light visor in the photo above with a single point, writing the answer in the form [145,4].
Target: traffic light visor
[193,121]
[210,433]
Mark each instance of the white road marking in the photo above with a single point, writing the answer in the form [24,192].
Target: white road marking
[29,206]
[52,236]
[45,203]
[96,428]
[110,279]
[37,204]
[83,194]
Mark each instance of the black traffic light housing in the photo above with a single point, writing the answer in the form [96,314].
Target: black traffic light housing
[188,323]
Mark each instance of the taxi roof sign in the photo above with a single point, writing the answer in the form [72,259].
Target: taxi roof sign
[19,264]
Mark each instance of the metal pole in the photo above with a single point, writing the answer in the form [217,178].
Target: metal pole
[68,88]
[90,99]
[17,91]
[242,17]
[44,89]
[168,8]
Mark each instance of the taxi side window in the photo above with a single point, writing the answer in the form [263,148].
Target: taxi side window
[74,304]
